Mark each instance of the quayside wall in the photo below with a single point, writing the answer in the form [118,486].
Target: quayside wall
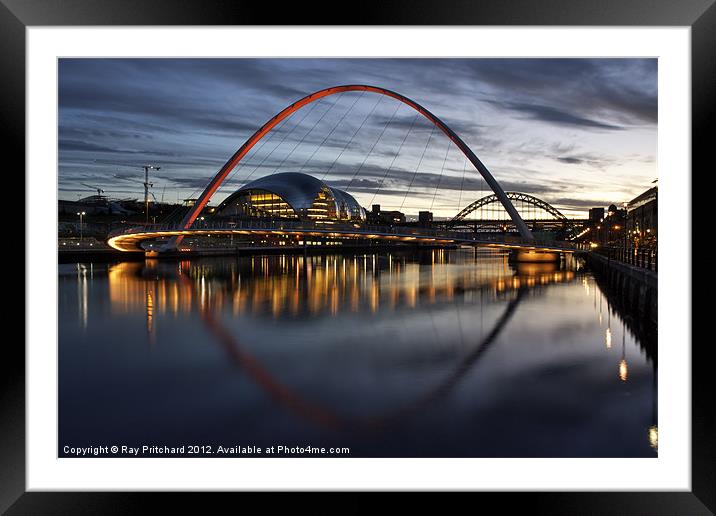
[636,288]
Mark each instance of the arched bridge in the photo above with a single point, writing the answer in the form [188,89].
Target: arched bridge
[512,196]
[214,184]
[171,237]
[136,239]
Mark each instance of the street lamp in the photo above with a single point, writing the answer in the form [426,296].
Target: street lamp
[81,214]
[147,184]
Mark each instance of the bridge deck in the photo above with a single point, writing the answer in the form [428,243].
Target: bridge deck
[130,240]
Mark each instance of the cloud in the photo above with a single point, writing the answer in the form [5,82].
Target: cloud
[553,115]
[624,90]
[572,203]
[76,145]
[570,159]
[519,115]
[591,160]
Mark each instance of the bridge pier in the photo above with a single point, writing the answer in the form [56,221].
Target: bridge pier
[534,256]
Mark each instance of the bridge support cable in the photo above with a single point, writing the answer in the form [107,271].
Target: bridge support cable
[330,133]
[264,141]
[370,151]
[285,137]
[306,135]
[238,167]
[269,138]
[442,170]
[348,143]
[270,124]
[397,153]
[462,184]
[417,167]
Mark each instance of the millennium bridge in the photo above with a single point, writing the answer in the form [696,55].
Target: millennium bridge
[168,238]
[132,239]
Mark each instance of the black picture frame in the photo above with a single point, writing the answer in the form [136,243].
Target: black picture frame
[700,15]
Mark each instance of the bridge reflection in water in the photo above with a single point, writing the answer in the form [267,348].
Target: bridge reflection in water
[387,353]
[292,285]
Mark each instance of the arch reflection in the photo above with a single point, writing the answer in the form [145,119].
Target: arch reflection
[317,286]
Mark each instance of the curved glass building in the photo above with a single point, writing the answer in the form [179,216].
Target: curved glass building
[291,195]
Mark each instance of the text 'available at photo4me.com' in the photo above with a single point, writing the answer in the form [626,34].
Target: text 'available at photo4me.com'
[194,450]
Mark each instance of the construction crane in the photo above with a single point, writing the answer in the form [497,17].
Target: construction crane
[123,178]
[147,185]
[99,190]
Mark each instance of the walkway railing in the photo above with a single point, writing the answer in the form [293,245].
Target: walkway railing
[356,229]
[77,243]
[641,257]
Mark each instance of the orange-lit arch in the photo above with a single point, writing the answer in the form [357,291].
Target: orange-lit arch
[264,129]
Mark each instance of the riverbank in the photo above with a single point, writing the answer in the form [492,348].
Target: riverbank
[636,287]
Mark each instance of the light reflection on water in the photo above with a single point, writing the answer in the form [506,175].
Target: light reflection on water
[437,353]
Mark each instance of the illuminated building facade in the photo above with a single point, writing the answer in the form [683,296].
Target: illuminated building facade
[642,219]
[291,195]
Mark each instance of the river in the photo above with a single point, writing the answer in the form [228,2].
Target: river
[432,353]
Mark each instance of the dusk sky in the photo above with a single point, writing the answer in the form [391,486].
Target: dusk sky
[576,133]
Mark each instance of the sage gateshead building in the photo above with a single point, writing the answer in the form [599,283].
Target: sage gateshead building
[291,196]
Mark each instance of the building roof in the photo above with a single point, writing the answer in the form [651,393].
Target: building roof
[643,198]
[297,189]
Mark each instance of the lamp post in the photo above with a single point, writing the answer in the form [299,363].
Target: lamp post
[147,185]
[626,227]
[81,214]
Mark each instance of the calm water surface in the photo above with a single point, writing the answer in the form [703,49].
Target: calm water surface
[437,353]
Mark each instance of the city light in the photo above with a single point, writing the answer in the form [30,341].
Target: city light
[359,315]
[81,215]
[654,437]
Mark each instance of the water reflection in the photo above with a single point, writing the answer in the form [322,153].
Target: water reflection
[82,293]
[641,331]
[389,345]
[283,286]
[326,416]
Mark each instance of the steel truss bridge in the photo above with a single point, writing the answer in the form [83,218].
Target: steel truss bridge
[132,239]
[537,214]
[500,226]
[527,199]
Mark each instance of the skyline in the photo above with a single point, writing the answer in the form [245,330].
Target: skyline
[577,133]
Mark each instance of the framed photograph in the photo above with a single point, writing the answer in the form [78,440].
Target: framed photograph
[421,252]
